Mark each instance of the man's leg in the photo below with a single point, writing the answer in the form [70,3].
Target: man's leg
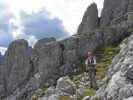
[94,85]
[90,75]
[91,79]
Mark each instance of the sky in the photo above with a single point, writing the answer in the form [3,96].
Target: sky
[36,19]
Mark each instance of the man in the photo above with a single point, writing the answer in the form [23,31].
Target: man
[91,69]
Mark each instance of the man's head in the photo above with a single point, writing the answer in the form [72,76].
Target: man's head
[90,53]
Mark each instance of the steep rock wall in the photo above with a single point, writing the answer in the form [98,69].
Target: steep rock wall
[120,78]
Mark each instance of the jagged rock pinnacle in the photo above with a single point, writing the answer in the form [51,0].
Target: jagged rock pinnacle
[90,20]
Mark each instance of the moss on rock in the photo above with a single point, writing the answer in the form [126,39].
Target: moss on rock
[104,59]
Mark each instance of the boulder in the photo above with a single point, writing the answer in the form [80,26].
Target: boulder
[35,56]
[40,43]
[70,55]
[26,92]
[130,98]
[80,91]
[64,90]
[90,20]
[126,92]
[50,91]
[17,65]
[129,73]
[64,84]
[54,97]
[86,98]
[48,57]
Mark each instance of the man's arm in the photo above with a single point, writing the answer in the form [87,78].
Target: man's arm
[94,60]
[86,62]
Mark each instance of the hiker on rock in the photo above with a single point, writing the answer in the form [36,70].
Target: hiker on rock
[91,69]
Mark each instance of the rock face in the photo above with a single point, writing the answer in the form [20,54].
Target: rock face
[114,9]
[49,57]
[26,69]
[17,65]
[42,42]
[113,12]
[55,59]
[27,91]
[1,58]
[2,90]
[70,55]
[2,86]
[90,20]
[119,84]
[35,52]
[130,6]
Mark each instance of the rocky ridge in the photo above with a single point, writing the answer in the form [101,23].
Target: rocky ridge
[27,69]
[47,62]
[113,9]
[90,20]
[114,14]
[119,84]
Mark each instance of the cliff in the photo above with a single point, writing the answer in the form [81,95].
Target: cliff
[114,14]
[26,70]
[119,83]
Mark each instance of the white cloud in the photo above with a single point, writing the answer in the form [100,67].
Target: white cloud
[69,11]
[2,50]
[30,38]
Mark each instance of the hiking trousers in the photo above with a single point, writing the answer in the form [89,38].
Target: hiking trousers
[91,71]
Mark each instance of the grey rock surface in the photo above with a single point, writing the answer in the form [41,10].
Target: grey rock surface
[129,73]
[26,92]
[42,42]
[130,98]
[70,55]
[1,58]
[86,98]
[51,60]
[64,88]
[66,85]
[90,20]
[49,57]
[17,65]
[130,6]
[35,56]
[113,9]
[119,79]
[2,85]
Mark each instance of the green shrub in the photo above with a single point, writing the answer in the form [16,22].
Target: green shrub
[64,98]
[89,92]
